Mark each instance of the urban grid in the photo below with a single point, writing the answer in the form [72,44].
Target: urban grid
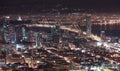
[60,38]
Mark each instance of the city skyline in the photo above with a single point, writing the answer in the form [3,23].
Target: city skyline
[59,35]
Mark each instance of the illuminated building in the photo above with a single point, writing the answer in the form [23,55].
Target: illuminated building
[31,36]
[24,37]
[12,34]
[5,29]
[55,33]
[102,34]
[88,25]
[38,40]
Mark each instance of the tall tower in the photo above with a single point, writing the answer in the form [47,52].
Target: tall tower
[102,34]
[88,25]
[38,40]
[24,37]
[55,33]
[5,29]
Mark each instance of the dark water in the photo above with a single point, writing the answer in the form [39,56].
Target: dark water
[110,30]
[96,29]
[115,33]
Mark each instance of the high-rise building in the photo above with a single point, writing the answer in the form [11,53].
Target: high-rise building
[38,36]
[12,34]
[24,37]
[88,25]
[31,36]
[55,33]
[19,34]
[5,29]
[102,34]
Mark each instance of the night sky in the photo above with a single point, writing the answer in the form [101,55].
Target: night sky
[47,4]
[70,3]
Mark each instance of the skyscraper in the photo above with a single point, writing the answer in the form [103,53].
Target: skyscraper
[88,25]
[24,37]
[5,29]
[38,40]
[55,33]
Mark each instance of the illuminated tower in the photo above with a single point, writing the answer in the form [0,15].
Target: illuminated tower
[19,18]
[55,29]
[31,36]
[38,40]
[102,34]
[88,25]
[55,33]
[5,29]
[12,34]
[24,37]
